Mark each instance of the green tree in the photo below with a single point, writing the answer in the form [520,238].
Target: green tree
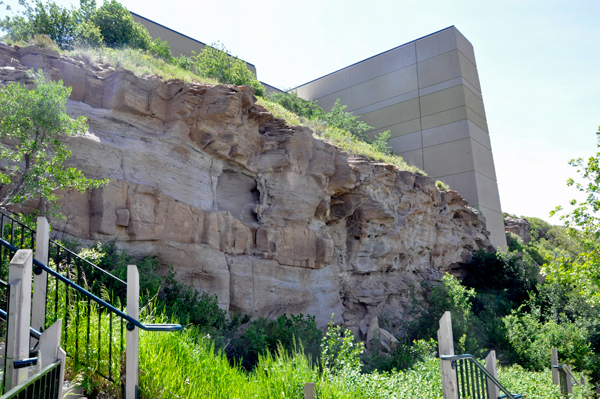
[32,125]
[216,62]
[118,27]
[583,271]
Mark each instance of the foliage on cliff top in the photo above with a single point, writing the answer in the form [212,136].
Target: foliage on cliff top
[338,137]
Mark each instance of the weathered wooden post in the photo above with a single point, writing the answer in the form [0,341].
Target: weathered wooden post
[554,362]
[310,390]
[446,347]
[569,379]
[490,365]
[19,310]
[132,350]
[38,308]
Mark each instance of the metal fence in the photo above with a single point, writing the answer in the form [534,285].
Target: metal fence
[93,336]
[44,385]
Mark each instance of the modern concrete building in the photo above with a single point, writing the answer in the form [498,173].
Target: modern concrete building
[427,94]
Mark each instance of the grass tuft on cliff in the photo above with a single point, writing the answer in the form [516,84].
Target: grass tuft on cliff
[138,61]
[340,138]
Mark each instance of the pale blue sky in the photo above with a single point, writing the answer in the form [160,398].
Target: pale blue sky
[538,64]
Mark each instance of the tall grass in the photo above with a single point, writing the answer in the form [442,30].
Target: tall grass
[139,62]
[184,364]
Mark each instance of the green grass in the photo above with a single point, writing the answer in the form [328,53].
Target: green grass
[137,61]
[181,364]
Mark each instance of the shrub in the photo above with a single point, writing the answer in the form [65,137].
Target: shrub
[337,117]
[216,62]
[118,27]
[533,340]
[87,34]
[297,105]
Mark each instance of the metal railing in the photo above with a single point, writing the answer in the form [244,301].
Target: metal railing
[43,385]
[473,378]
[566,378]
[90,300]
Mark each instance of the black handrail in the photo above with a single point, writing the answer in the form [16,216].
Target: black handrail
[132,323]
[487,373]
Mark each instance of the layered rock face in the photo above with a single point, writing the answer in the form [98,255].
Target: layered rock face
[518,226]
[266,216]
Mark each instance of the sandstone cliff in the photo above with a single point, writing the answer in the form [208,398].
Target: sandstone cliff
[263,214]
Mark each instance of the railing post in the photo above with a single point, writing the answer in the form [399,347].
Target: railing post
[310,390]
[17,337]
[446,347]
[569,380]
[50,351]
[490,366]
[38,309]
[554,361]
[132,350]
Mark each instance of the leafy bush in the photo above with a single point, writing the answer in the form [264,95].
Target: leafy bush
[118,27]
[299,106]
[533,340]
[216,62]
[111,25]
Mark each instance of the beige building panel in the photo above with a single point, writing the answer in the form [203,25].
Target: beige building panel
[439,69]
[409,54]
[449,158]
[465,184]
[414,158]
[376,66]
[442,100]
[480,135]
[436,44]
[487,191]
[444,118]
[345,97]
[407,142]
[327,85]
[483,160]
[495,225]
[386,103]
[399,129]
[402,81]
[469,71]
[465,47]
[369,92]
[446,133]
[476,119]
[474,102]
[389,116]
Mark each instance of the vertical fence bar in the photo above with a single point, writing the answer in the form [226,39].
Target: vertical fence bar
[40,281]
[445,347]
[133,310]
[17,342]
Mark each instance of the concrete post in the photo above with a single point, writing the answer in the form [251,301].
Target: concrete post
[17,340]
[554,361]
[446,347]
[42,241]
[490,366]
[310,390]
[132,350]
